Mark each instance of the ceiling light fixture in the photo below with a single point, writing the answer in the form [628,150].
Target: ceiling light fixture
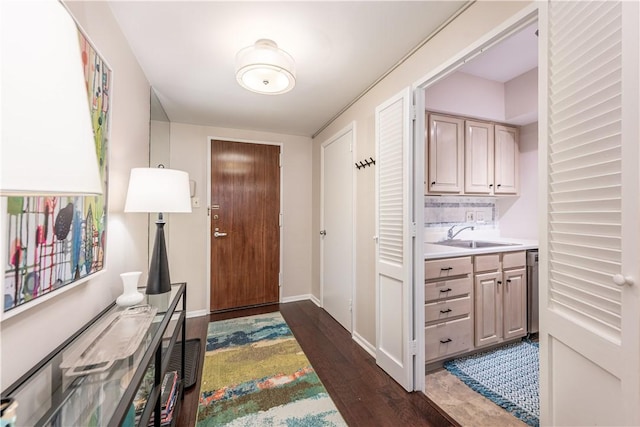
[264,68]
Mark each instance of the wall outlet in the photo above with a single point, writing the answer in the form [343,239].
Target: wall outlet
[470,216]
[480,216]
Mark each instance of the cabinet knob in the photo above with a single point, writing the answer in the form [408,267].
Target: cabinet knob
[448,310]
[499,282]
[446,341]
[490,185]
[445,290]
[433,183]
[499,185]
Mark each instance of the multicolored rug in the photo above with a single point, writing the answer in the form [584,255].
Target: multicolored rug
[508,376]
[256,374]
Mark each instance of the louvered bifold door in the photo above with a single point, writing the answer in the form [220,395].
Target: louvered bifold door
[394,255]
[589,305]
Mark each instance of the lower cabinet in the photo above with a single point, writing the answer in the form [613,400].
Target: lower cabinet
[473,302]
[448,307]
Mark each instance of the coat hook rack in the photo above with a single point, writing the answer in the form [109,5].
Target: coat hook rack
[365,163]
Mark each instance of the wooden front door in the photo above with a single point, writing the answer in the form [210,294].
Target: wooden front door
[245,226]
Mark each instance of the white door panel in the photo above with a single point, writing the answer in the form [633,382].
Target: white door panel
[394,253]
[589,334]
[336,271]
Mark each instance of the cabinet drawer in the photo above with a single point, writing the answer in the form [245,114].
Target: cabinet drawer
[513,259]
[437,268]
[447,309]
[447,338]
[487,262]
[434,291]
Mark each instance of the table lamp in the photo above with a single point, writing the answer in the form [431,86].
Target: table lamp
[158,190]
[47,143]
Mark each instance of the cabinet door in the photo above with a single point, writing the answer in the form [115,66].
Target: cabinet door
[507,157]
[478,157]
[514,303]
[445,138]
[488,308]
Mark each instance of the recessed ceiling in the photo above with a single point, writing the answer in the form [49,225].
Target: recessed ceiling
[187,50]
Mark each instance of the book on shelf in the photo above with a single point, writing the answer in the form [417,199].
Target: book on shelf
[168,397]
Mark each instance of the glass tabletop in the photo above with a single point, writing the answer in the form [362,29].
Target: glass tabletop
[85,381]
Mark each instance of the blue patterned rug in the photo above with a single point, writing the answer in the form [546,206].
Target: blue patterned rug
[507,376]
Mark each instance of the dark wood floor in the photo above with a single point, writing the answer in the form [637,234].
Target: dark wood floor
[363,393]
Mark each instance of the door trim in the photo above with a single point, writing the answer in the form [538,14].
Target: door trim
[208,187]
[351,127]
[518,21]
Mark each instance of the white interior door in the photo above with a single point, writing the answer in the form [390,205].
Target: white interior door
[589,270]
[336,270]
[395,349]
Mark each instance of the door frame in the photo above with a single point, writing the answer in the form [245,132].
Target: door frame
[351,127]
[208,187]
[518,21]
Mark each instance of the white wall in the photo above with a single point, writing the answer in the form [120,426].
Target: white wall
[475,22]
[29,336]
[465,95]
[188,236]
[521,98]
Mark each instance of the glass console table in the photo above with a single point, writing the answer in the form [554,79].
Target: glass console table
[108,393]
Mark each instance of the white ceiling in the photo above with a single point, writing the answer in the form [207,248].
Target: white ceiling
[187,51]
[510,58]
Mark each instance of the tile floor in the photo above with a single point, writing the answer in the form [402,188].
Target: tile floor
[465,405]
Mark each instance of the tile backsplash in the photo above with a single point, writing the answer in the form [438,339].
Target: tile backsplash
[445,211]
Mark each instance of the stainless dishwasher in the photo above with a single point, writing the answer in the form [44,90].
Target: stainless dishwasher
[532,291]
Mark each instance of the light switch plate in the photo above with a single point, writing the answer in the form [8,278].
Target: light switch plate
[470,216]
[195,202]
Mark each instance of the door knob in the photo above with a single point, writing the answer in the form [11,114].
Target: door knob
[621,280]
[323,232]
[218,234]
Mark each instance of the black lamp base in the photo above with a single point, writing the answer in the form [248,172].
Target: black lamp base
[159,281]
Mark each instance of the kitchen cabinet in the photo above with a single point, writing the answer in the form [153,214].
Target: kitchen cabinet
[471,157]
[507,158]
[445,145]
[491,158]
[478,157]
[448,307]
[500,297]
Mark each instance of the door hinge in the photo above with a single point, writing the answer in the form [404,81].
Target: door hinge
[280,160]
[413,347]
[413,112]
[350,306]
[280,279]
[413,229]
[280,220]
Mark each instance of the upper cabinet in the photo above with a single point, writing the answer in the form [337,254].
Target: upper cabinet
[471,157]
[478,157]
[507,157]
[445,145]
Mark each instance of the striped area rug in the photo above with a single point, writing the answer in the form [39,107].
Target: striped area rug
[508,376]
[256,374]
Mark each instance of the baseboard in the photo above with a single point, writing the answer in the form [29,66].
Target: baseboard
[304,297]
[366,345]
[197,313]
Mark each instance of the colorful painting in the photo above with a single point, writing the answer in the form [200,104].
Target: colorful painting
[55,241]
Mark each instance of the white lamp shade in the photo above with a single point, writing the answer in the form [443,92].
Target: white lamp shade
[263,68]
[158,190]
[48,147]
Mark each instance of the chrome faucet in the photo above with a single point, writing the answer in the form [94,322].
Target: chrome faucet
[451,234]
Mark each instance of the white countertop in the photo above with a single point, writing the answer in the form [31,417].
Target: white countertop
[433,251]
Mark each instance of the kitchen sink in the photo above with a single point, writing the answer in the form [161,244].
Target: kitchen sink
[472,244]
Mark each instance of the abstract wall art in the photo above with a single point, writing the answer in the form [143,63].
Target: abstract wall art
[53,242]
